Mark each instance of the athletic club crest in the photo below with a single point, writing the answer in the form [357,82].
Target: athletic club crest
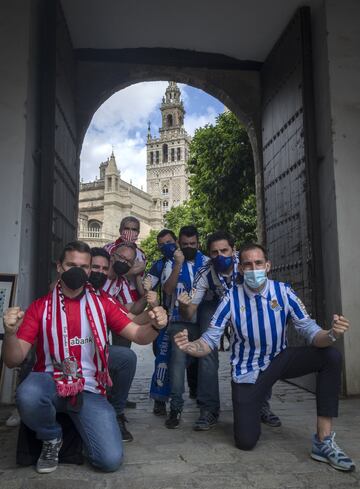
[275,306]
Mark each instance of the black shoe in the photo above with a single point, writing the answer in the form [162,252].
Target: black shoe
[268,417]
[159,408]
[130,405]
[125,433]
[173,420]
[205,421]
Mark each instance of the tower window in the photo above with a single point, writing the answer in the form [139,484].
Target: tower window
[151,158]
[109,183]
[169,120]
[172,154]
[94,229]
[178,154]
[165,205]
[165,190]
[165,153]
[157,157]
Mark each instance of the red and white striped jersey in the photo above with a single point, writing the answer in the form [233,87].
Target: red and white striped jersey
[33,329]
[121,290]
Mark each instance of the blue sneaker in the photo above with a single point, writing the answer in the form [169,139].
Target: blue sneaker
[329,452]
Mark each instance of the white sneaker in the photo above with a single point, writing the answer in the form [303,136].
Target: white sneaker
[14,419]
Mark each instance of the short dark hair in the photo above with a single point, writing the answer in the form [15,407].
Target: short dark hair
[219,235]
[100,252]
[79,246]
[189,231]
[164,232]
[252,246]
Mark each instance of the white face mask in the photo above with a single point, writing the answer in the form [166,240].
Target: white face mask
[255,278]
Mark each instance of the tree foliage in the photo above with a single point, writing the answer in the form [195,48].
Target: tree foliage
[222,186]
[222,180]
[150,248]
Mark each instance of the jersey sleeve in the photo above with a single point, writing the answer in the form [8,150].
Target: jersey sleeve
[218,322]
[303,323]
[200,288]
[31,324]
[168,268]
[116,318]
[155,273]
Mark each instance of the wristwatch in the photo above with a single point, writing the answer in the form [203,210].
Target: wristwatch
[331,336]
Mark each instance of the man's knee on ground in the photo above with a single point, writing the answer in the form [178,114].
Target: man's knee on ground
[246,442]
[108,462]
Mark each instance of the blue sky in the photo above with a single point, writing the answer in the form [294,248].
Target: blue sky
[121,123]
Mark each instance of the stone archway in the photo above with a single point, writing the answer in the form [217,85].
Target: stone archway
[236,87]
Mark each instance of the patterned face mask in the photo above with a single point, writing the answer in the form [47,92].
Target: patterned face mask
[129,235]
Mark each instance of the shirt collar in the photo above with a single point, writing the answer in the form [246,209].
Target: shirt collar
[252,293]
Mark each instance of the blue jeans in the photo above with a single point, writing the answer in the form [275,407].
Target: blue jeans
[96,422]
[208,383]
[122,367]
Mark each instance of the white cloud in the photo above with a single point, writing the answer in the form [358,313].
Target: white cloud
[194,121]
[126,110]
[130,107]
[121,124]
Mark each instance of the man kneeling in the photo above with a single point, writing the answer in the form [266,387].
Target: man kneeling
[71,374]
[259,310]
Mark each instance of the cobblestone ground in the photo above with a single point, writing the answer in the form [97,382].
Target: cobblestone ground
[159,458]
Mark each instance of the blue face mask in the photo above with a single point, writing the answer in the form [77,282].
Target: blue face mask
[168,250]
[222,263]
[255,278]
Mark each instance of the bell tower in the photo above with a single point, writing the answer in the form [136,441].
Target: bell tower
[167,155]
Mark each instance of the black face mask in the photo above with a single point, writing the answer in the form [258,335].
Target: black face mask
[120,268]
[189,253]
[97,279]
[74,278]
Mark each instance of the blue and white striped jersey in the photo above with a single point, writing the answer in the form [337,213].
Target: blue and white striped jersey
[259,326]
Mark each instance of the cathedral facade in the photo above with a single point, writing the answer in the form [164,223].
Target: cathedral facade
[104,202]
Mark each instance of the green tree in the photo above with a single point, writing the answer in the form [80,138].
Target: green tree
[221,179]
[150,248]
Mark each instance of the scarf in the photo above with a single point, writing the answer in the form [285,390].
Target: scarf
[160,382]
[67,373]
[184,276]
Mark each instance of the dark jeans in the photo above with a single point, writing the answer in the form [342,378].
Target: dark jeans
[208,384]
[122,367]
[96,423]
[290,363]
[118,340]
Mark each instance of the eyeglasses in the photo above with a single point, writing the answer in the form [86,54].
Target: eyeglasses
[118,257]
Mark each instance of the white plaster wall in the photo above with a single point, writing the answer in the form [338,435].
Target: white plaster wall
[336,55]
[18,190]
[343,20]
[14,36]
